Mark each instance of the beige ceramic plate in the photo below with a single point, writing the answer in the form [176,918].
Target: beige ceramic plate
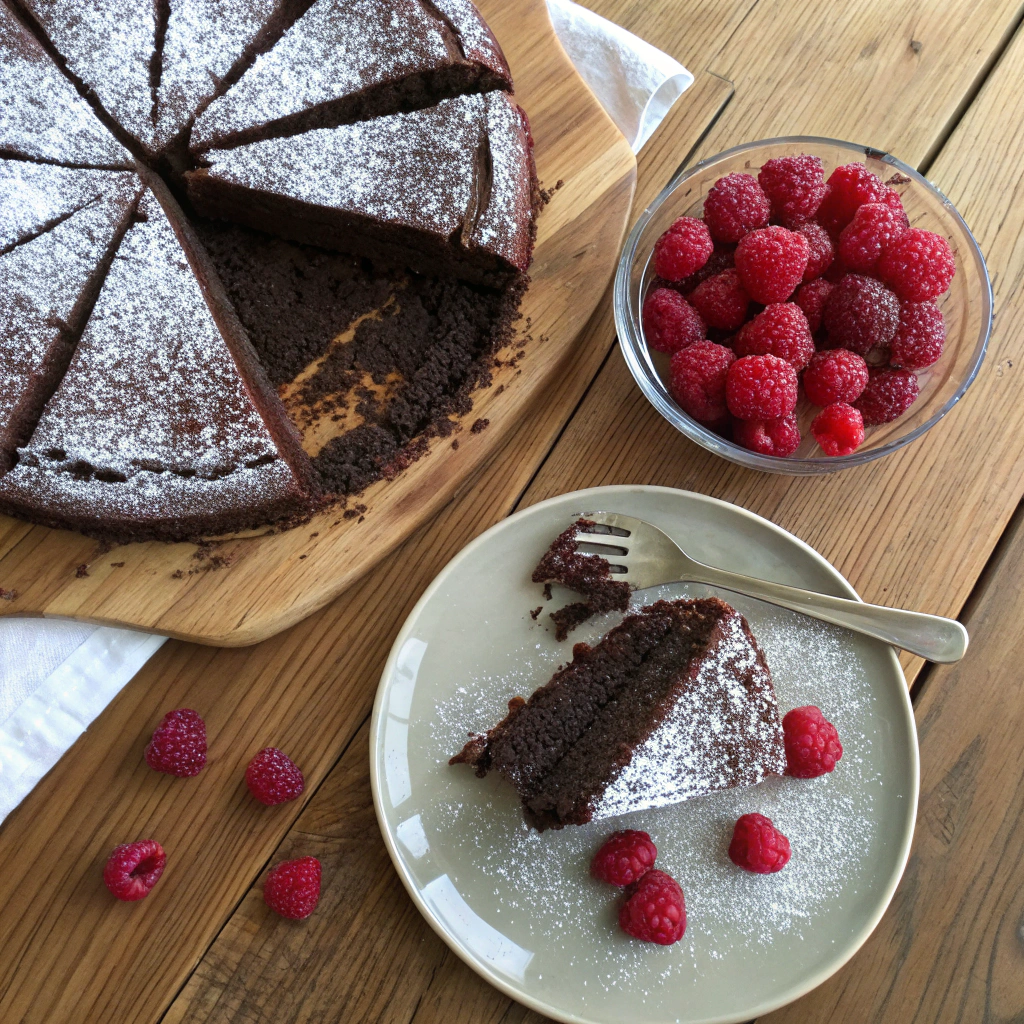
[520,908]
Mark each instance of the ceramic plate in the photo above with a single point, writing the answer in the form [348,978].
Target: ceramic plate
[520,907]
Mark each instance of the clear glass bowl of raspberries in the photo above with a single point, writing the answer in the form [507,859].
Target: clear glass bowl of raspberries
[801,305]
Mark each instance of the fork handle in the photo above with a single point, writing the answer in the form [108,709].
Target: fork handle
[931,636]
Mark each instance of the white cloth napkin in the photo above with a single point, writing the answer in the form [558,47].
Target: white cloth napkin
[57,676]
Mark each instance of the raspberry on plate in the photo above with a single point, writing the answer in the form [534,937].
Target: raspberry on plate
[721,301]
[771,263]
[735,205]
[795,187]
[920,336]
[835,375]
[293,888]
[860,313]
[811,299]
[838,429]
[888,395]
[821,253]
[850,187]
[670,322]
[178,746]
[697,380]
[273,777]
[918,266]
[624,857]
[655,910]
[758,846]
[761,388]
[683,249]
[779,437]
[873,229]
[133,869]
[780,330]
[811,741]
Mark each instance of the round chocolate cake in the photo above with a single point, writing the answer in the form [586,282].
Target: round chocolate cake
[253,253]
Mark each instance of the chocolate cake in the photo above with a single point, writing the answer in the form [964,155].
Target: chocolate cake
[673,703]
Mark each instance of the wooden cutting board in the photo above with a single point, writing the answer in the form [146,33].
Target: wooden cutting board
[240,590]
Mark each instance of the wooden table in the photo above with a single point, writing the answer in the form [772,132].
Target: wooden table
[936,527]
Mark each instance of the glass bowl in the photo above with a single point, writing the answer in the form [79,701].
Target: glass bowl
[967,306]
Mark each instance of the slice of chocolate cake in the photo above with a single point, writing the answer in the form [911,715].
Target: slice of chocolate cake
[675,702]
[347,60]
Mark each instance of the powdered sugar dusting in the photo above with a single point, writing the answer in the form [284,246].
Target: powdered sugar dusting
[477,41]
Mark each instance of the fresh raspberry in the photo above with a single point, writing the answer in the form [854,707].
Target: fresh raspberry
[812,743]
[721,301]
[134,868]
[874,227]
[779,330]
[860,313]
[920,336]
[655,910]
[811,298]
[795,187]
[293,888]
[697,380]
[821,253]
[849,187]
[178,746]
[918,266]
[721,259]
[888,395]
[733,206]
[839,429]
[779,437]
[670,322]
[835,375]
[761,388]
[758,846]
[273,777]
[624,857]
[771,263]
[683,249]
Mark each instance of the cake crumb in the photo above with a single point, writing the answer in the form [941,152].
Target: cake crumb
[8,595]
[301,557]
[349,513]
[315,533]
[479,426]
[455,445]
[178,574]
[82,571]
[117,565]
[536,611]
[547,591]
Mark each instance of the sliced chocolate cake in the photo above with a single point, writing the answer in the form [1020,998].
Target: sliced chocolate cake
[675,702]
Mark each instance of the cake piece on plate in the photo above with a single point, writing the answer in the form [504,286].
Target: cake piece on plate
[675,702]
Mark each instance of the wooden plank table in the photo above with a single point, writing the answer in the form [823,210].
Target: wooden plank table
[935,526]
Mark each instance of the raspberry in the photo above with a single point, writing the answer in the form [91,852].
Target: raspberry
[812,743]
[779,330]
[624,857]
[920,336]
[721,259]
[683,249]
[836,375]
[888,395]
[758,846]
[821,253]
[133,869]
[273,777]
[795,187]
[655,910]
[697,380]
[860,313]
[918,266]
[874,227]
[178,746]
[760,388]
[293,888]
[733,206]
[839,429]
[811,299]
[849,187]
[779,437]
[670,322]
[721,301]
[771,263]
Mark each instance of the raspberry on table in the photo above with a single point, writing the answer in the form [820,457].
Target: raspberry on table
[811,742]
[795,187]
[721,301]
[273,777]
[771,263]
[835,375]
[820,253]
[721,259]
[779,437]
[758,846]
[735,205]
[133,869]
[697,381]
[761,388]
[178,746]
[873,229]
[920,336]
[888,395]
[849,187]
[655,909]
[918,266]
[860,313]
[670,322]
[781,330]
[293,888]
[811,298]
[838,429]
[683,249]
[624,857]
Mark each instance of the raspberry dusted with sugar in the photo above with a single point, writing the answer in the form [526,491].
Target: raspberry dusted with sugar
[655,910]
[850,187]
[293,888]
[920,336]
[761,388]
[812,743]
[835,375]
[670,322]
[873,229]
[273,777]
[860,313]
[839,429]
[811,299]
[758,846]
[721,301]
[779,330]
[133,869]
[697,380]
[779,437]
[683,249]
[795,187]
[733,206]
[888,395]
[821,253]
[771,263]
[624,857]
[178,746]
[918,266]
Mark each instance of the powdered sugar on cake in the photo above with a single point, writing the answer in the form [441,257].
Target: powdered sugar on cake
[475,37]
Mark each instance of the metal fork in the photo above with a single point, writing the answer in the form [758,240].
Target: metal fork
[650,558]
